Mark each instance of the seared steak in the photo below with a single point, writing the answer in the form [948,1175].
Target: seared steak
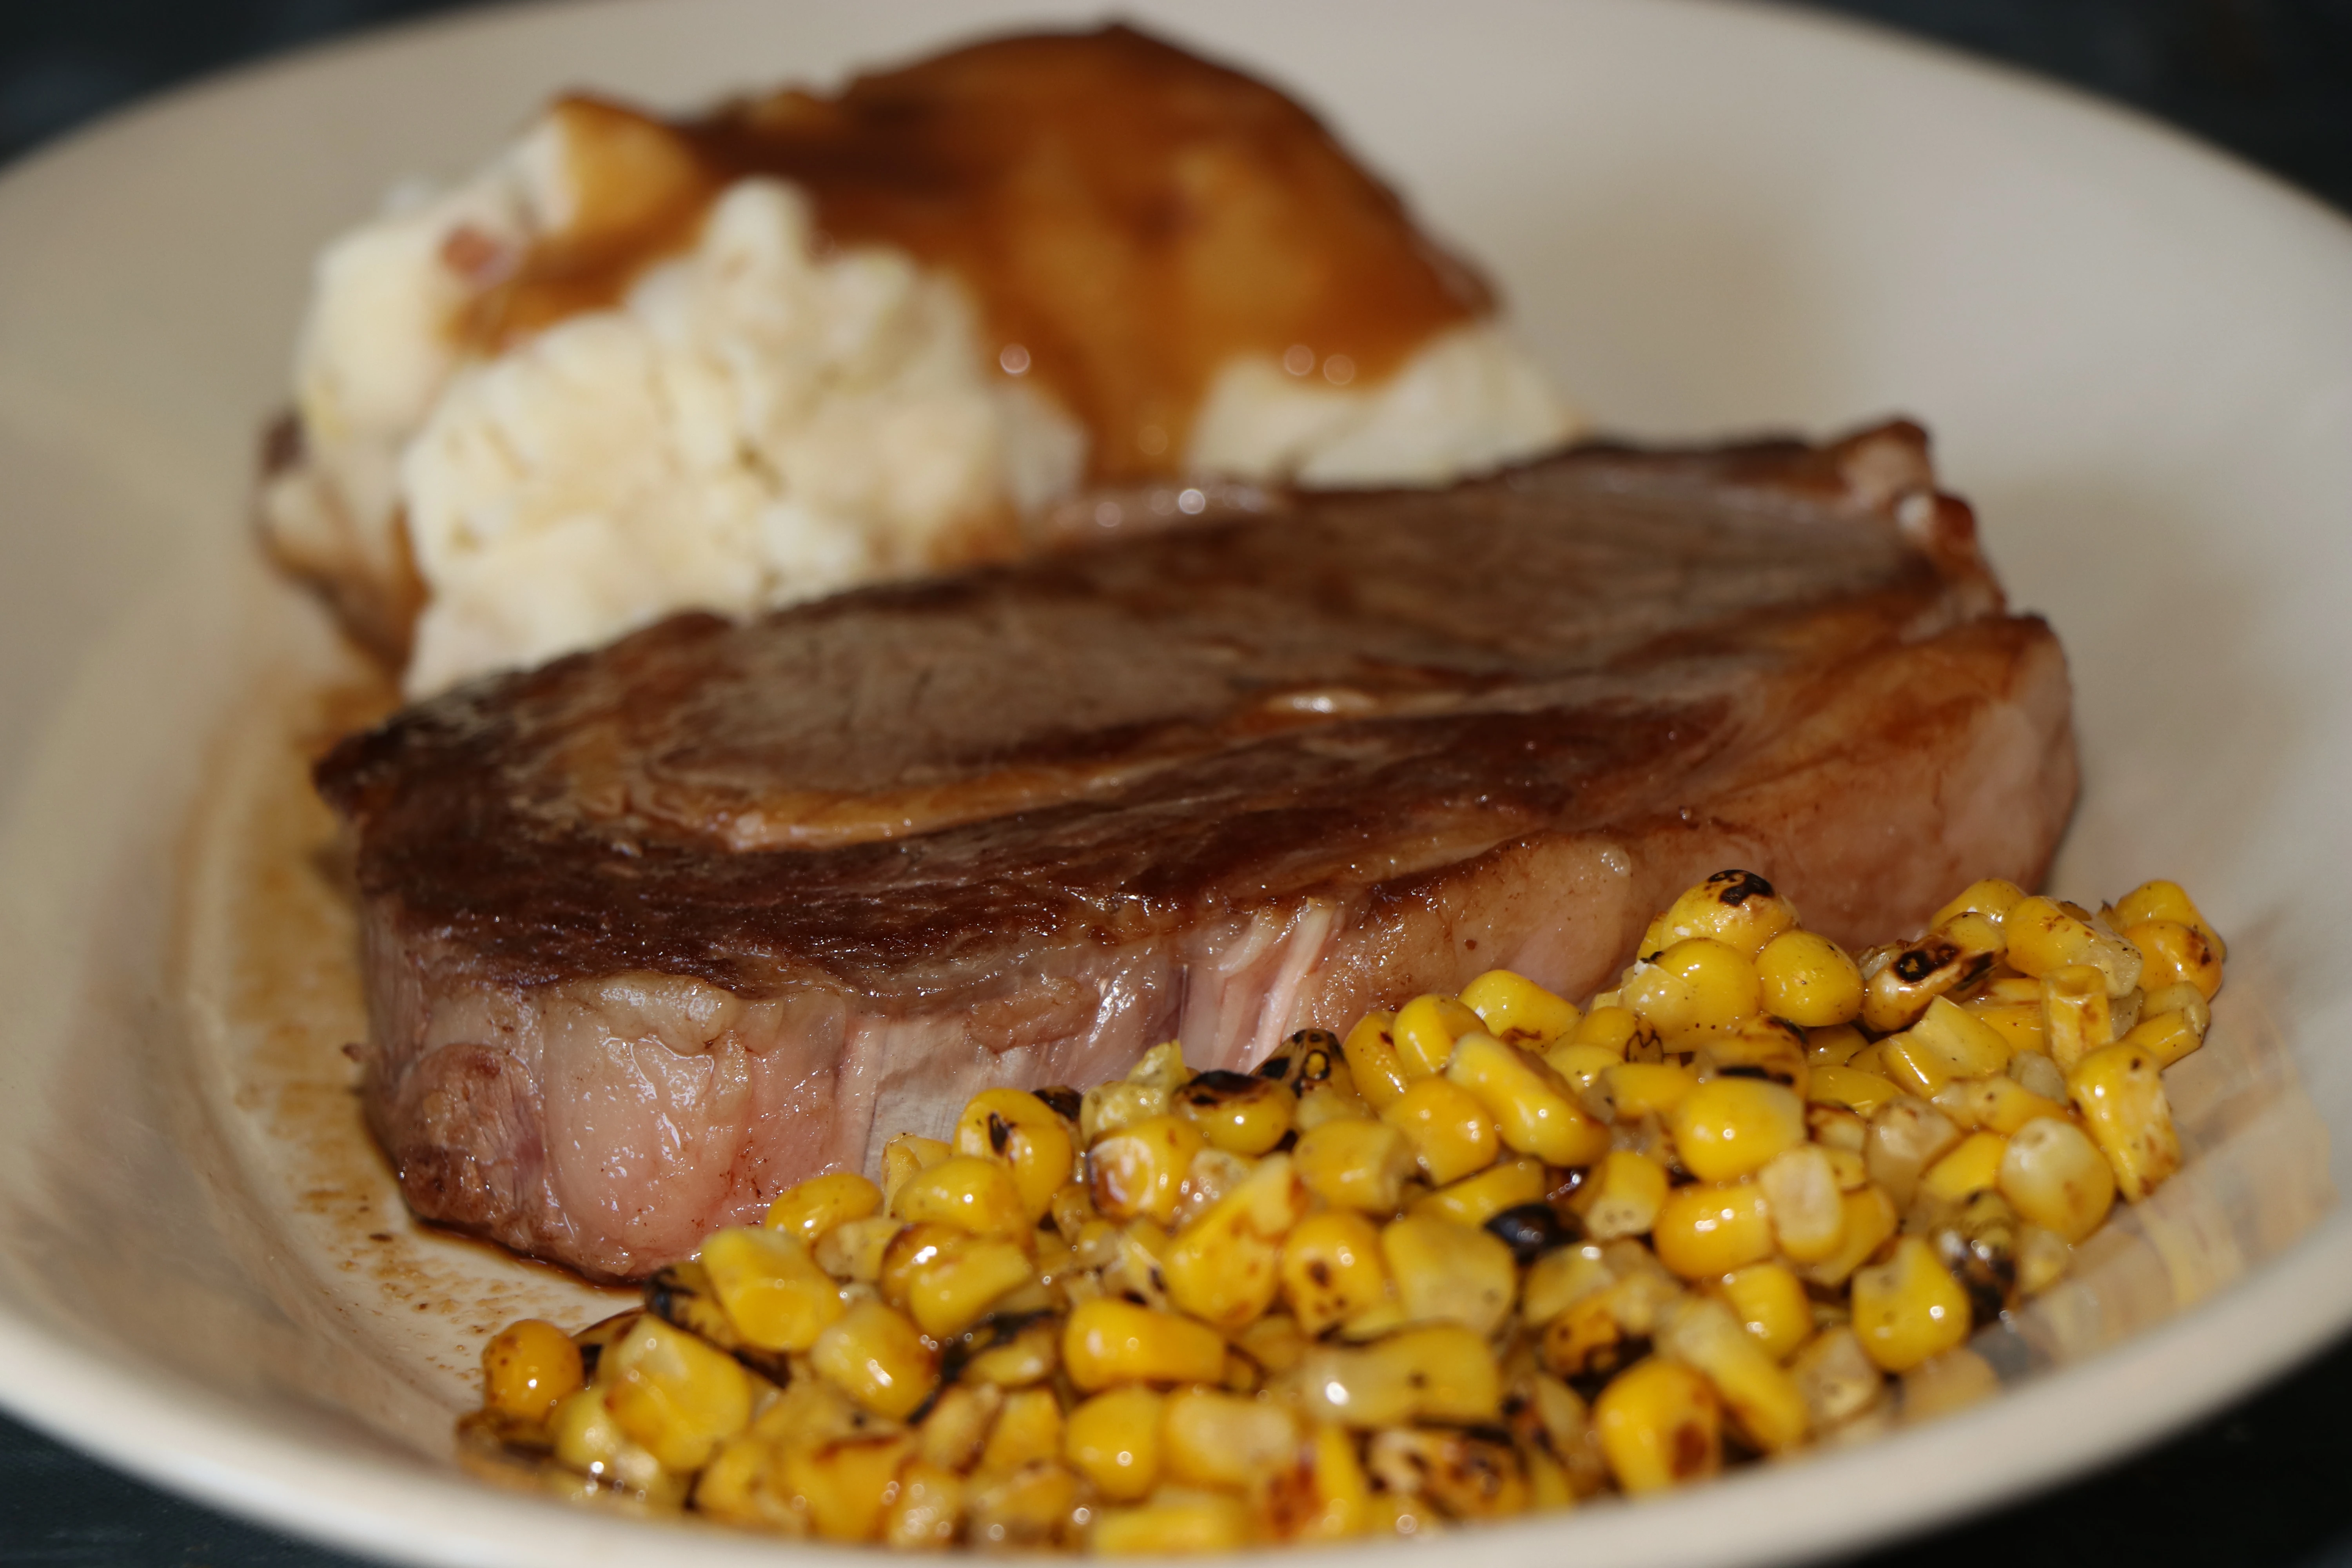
[655,931]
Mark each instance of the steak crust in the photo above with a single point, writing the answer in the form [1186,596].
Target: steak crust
[653,931]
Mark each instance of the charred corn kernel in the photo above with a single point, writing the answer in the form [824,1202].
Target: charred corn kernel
[1474,1200]
[1762,1398]
[1226,1266]
[1909,1309]
[1113,1440]
[1906,1136]
[2163,901]
[927,1511]
[1620,1195]
[845,1487]
[1326,1496]
[1467,1475]
[1696,984]
[772,1290]
[2054,1176]
[1372,1061]
[957,1284]
[904,1156]
[1021,1132]
[1444,1371]
[1178,1521]
[1860,1092]
[1969,1047]
[1533,1110]
[878,1358]
[2043,934]
[1802,1194]
[1106,1341]
[1239,1113]
[1632,1090]
[1445,1272]
[1728,1128]
[1808,980]
[2004,1105]
[1355,1164]
[1661,1423]
[953,1433]
[2120,1092]
[1912,1067]
[2167,1037]
[1027,1429]
[1834,1127]
[1972,1166]
[1519,1012]
[1704,1230]
[2076,1017]
[1425,1030]
[1896,993]
[2172,954]
[1737,908]
[2019,1024]
[1870,1218]
[527,1367]
[973,1194]
[1770,1303]
[1210,1438]
[1837,1377]
[811,1209]
[1451,1133]
[1612,1028]
[674,1394]
[1139,1171]
[1581,1066]
[1993,898]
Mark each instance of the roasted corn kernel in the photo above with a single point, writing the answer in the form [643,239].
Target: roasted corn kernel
[1239,1113]
[772,1290]
[1139,1171]
[1909,1309]
[1425,1030]
[1451,1133]
[1696,984]
[1225,1267]
[808,1211]
[1108,1343]
[1770,1303]
[1808,980]
[1474,1200]
[674,1394]
[1728,1128]
[1704,1230]
[528,1368]
[2055,1177]
[2124,1107]
[1533,1110]
[1024,1133]
[1660,1424]
[878,1358]
[1518,1011]
[1445,1272]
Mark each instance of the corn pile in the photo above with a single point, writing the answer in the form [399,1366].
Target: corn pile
[1487,1254]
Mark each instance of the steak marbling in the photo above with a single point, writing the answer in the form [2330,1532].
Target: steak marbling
[655,931]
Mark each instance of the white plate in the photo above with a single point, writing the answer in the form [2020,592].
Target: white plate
[2137,358]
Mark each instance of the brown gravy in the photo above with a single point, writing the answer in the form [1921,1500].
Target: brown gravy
[1128,216]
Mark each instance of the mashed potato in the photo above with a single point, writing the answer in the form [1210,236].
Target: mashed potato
[757,421]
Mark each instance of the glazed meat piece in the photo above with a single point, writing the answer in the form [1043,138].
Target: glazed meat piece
[655,931]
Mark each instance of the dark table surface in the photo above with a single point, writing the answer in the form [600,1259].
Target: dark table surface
[2262,1484]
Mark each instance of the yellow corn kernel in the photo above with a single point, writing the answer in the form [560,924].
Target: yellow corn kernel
[1027,1429]
[1355,1164]
[589,1439]
[1425,1030]
[1024,1133]
[1634,1089]
[1661,1423]
[1862,1092]
[2043,934]
[2167,1037]
[878,1358]
[741,1486]
[1620,1195]
[1762,1398]
[2161,900]
[1467,1476]
[1225,1267]
[1696,984]
[1210,1438]
[845,1487]
[2172,954]
[1870,1218]
[2001,1104]
[808,1211]
[674,1394]
[1474,1200]
[1833,1047]
[1952,1382]
[1240,1113]
[1030,1356]
[1326,1496]
[528,1368]
[1113,1440]
[970,1194]
[2019,1024]
[1704,1230]
[1560,1279]
[1450,1132]
[1441,1372]
[927,1511]
[1909,1309]
[2054,1176]
[1534,1111]
[1837,1378]
[1180,1521]
[1906,1138]
[1758,1047]
[1612,1028]
[1737,908]
[953,1283]
[1900,983]
[1806,1201]
[854,1248]
[1973,1166]
[1912,1066]
[955,1430]
[1029,1510]
[903,1157]
[1808,980]
[1770,1303]
[1371,1053]
[1992,896]
[1445,1272]
[772,1290]
[2076,1016]
[1106,1341]
[1969,1047]
[1109,1108]
[1334,1098]
[2120,1092]
[1139,1171]
[1519,1012]
[1728,1128]
[1332,1269]
[1581,1066]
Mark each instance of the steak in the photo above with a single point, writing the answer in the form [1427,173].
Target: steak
[655,931]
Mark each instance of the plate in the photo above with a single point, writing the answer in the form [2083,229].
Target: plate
[2136,357]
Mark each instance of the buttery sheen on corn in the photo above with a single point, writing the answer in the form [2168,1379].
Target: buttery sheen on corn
[1490,1253]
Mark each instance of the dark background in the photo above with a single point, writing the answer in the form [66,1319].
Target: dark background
[2264,1484]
